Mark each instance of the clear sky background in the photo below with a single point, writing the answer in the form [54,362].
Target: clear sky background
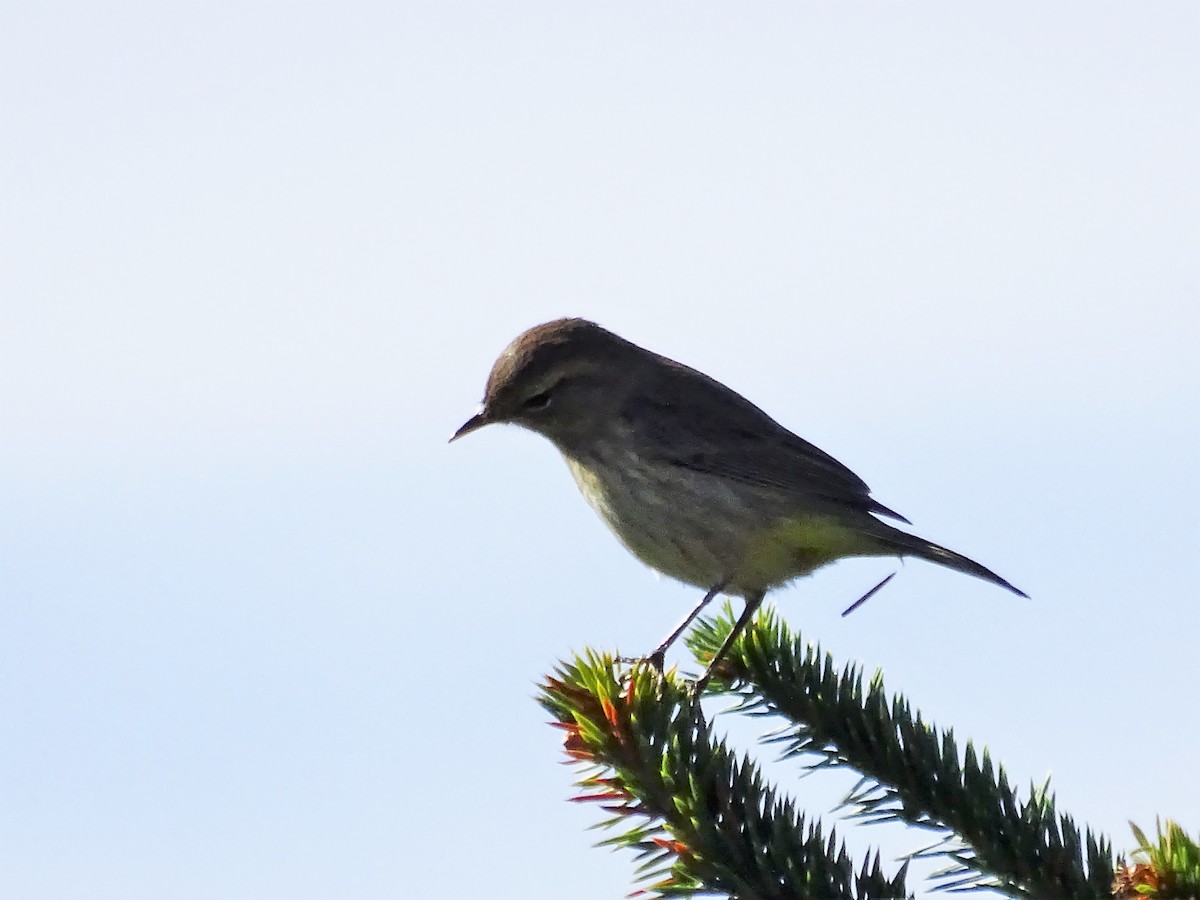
[263,634]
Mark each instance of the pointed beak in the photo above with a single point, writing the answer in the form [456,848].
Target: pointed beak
[474,423]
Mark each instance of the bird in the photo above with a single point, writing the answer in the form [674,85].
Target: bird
[691,477]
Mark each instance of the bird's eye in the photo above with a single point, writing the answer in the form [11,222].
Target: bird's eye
[537,401]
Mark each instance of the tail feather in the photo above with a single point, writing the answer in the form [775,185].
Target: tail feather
[903,544]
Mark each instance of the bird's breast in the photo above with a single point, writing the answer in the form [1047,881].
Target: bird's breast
[696,527]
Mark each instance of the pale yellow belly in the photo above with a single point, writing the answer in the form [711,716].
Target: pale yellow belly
[702,530]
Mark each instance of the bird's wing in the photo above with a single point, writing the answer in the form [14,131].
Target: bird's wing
[697,423]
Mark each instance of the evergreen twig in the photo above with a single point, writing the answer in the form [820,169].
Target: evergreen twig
[910,770]
[710,823]
[1167,867]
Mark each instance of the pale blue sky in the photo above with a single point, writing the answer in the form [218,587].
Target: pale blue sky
[263,634]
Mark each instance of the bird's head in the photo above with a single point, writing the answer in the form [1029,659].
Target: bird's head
[562,379]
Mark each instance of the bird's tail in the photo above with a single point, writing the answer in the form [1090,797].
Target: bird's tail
[903,544]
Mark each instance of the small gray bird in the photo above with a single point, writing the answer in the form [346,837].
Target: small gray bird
[695,480]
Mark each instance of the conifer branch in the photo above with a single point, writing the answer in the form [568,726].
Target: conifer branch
[1167,867]
[708,824]
[910,770]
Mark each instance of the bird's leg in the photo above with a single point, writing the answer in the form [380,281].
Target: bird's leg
[658,657]
[753,602]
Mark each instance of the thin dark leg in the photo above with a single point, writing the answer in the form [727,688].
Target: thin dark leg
[659,655]
[753,602]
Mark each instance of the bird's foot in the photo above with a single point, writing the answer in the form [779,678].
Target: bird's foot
[655,660]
